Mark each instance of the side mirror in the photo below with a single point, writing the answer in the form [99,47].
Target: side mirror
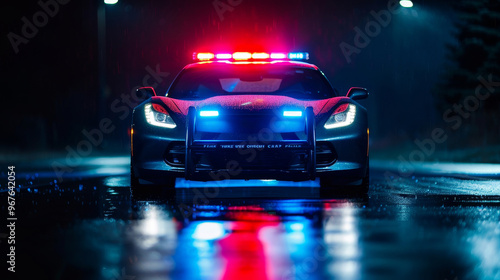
[357,93]
[146,92]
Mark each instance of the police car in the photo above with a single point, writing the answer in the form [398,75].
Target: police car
[251,115]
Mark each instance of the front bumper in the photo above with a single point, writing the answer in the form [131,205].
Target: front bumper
[340,154]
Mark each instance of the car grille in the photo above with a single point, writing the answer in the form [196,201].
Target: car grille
[325,156]
[175,154]
[264,161]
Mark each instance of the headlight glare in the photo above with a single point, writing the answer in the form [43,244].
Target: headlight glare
[343,116]
[157,118]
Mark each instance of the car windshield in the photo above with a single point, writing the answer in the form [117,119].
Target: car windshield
[210,80]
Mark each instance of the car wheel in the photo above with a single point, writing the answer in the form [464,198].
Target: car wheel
[328,186]
[135,185]
[141,191]
[365,184]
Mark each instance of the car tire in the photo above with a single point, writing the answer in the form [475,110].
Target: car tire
[135,185]
[365,183]
[142,191]
[328,186]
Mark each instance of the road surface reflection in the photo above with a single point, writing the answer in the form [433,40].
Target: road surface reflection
[247,239]
[94,229]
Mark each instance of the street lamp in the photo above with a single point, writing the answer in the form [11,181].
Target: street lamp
[101,49]
[406,3]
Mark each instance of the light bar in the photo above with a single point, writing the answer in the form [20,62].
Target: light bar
[224,56]
[278,55]
[207,56]
[292,113]
[298,55]
[209,113]
[260,55]
[242,55]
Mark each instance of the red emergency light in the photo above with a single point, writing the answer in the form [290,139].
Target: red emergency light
[255,56]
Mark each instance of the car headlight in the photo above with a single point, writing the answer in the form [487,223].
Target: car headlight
[343,116]
[157,115]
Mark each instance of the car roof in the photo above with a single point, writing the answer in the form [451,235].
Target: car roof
[276,62]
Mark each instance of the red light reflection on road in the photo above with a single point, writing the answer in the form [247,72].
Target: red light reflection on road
[246,250]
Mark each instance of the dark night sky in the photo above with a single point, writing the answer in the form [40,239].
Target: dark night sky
[50,87]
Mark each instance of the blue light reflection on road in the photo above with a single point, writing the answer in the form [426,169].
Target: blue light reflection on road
[258,241]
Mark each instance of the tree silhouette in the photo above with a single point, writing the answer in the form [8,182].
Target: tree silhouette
[473,57]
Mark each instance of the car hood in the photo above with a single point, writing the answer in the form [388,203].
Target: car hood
[249,102]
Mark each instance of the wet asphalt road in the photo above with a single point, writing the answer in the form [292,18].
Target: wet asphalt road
[415,228]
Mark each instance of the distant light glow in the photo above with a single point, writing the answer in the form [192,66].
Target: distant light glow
[209,113]
[278,55]
[110,2]
[108,171]
[242,55]
[406,3]
[224,56]
[292,113]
